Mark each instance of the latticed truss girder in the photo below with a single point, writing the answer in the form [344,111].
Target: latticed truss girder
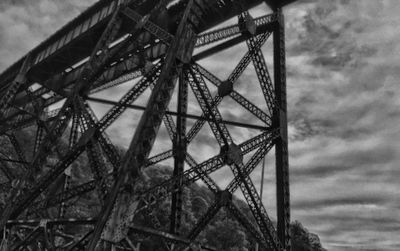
[47,194]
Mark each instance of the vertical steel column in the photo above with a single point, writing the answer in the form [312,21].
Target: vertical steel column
[280,121]
[180,148]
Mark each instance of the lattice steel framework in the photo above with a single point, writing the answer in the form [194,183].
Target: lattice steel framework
[160,44]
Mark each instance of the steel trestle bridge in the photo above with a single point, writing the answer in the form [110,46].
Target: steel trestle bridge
[158,44]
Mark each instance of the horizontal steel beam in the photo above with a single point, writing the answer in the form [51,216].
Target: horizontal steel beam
[51,222]
[14,161]
[190,116]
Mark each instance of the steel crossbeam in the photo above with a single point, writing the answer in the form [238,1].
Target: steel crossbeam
[192,175]
[233,77]
[224,139]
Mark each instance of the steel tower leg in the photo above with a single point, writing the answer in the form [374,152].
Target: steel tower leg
[179,156]
[281,144]
[179,52]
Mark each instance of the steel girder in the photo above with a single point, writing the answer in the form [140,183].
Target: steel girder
[45,197]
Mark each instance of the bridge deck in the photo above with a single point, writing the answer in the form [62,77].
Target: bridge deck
[70,44]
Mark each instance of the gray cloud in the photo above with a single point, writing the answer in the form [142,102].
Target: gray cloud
[24,24]
[343,111]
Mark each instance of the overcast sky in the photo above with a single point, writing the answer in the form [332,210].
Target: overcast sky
[343,102]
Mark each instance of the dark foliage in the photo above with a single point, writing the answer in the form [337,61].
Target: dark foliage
[224,232]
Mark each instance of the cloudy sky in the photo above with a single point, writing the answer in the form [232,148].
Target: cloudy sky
[343,70]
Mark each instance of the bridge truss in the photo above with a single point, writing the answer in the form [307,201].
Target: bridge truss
[159,45]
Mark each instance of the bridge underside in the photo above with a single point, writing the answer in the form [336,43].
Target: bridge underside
[156,53]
